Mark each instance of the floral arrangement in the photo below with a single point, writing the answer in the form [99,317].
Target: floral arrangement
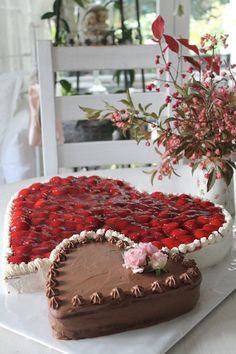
[202,125]
[145,257]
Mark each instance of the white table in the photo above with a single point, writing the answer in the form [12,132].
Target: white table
[215,334]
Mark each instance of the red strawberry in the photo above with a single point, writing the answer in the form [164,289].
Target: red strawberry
[55,180]
[36,186]
[167,228]
[219,216]
[40,203]
[58,191]
[164,214]
[17,259]
[56,222]
[199,233]
[155,223]
[84,213]
[37,221]
[181,201]
[65,234]
[185,238]
[209,227]
[148,239]
[157,235]
[142,219]
[22,250]
[54,207]
[191,224]
[203,219]
[24,192]
[216,222]
[170,242]
[158,244]
[133,236]
[178,232]
[20,225]
[70,225]
[158,195]
[132,228]
[206,204]
[69,217]
[79,227]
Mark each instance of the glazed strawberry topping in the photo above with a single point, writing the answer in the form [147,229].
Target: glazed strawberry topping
[46,213]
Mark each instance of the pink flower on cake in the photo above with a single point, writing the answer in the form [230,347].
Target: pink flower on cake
[148,248]
[158,260]
[144,257]
[135,258]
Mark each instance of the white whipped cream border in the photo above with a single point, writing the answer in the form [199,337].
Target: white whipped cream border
[11,270]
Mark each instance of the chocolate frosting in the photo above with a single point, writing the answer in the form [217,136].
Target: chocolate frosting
[95,272]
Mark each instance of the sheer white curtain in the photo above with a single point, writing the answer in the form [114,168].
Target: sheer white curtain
[20,26]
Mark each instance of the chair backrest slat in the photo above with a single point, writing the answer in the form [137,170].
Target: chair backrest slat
[104,57]
[67,107]
[92,153]
[54,59]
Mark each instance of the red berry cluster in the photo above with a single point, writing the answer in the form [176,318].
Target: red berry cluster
[46,213]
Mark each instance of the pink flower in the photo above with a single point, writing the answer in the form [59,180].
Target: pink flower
[148,248]
[157,60]
[168,65]
[135,258]
[168,99]
[158,260]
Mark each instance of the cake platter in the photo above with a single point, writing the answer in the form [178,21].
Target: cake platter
[26,314]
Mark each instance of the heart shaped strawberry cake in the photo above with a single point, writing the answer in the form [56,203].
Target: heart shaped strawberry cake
[42,215]
[92,292]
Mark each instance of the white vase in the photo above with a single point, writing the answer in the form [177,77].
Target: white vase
[220,193]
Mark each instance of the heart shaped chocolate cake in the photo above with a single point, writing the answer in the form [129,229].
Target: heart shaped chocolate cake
[92,291]
[42,215]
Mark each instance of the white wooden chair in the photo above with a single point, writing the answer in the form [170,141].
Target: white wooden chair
[55,59]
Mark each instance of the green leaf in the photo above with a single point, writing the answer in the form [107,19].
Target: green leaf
[154,115]
[47,15]
[57,6]
[162,108]
[66,85]
[131,77]
[153,176]
[125,102]
[180,90]
[130,99]
[81,3]
[147,106]
[227,173]
[231,163]
[66,26]
[211,179]
[116,77]
[140,107]
[195,166]
[91,113]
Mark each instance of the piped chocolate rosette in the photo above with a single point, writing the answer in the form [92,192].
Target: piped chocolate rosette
[102,283]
